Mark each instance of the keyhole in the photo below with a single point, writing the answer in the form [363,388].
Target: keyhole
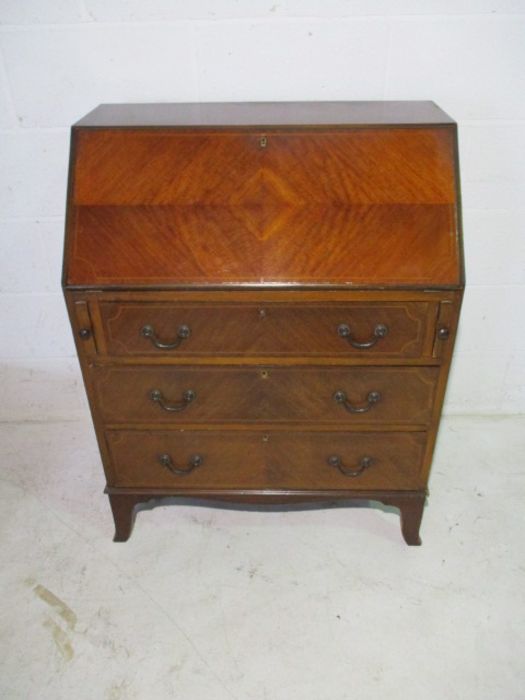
[265,438]
[264,374]
[262,313]
[263,141]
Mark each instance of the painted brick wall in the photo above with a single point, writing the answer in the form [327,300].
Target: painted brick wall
[60,58]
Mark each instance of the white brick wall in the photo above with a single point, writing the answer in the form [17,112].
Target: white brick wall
[59,58]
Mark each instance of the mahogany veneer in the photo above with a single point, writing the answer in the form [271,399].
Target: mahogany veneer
[264,298]
[282,460]
[269,393]
[272,329]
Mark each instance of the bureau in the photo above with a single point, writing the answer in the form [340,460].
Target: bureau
[264,298]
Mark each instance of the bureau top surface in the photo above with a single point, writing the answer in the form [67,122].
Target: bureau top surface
[265,114]
[345,195]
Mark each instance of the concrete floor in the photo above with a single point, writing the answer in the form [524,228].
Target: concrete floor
[213,604]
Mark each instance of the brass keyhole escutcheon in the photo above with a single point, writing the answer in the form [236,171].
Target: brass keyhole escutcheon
[265,438]
[263,141]
[262,313]
[265,374]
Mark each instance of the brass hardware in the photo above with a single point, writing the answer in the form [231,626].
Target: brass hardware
[265,438]
[336,461]
[188,396]
[380,331]
[85,333]
[194,462]
[265,374]
[183,332]
[372,398]
[262,313]
[443,333]
[263,141]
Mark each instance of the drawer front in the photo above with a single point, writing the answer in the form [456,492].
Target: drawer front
[402,329]
[350,396]
[257,460]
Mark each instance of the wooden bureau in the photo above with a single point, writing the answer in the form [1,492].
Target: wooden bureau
[264,298]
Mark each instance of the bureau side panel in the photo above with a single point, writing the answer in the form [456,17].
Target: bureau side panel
[80,313]
[447,321]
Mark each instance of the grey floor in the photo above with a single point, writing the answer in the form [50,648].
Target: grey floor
[215,604]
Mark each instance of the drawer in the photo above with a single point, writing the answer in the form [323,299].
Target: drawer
[395,330]
[351,396]
[258,460]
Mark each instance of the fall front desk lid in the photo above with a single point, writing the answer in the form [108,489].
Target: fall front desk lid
[189,197]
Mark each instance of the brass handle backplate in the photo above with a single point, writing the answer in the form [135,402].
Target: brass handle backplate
[336,461]
[194,462]
[187,397]
[371,400]
[380,331]
[183,332]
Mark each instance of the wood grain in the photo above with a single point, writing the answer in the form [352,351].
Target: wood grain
[356,207]
[247,329]
[266,114]
[271,394]
[363,245]
[263,227]
[269,461]
[355,166]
